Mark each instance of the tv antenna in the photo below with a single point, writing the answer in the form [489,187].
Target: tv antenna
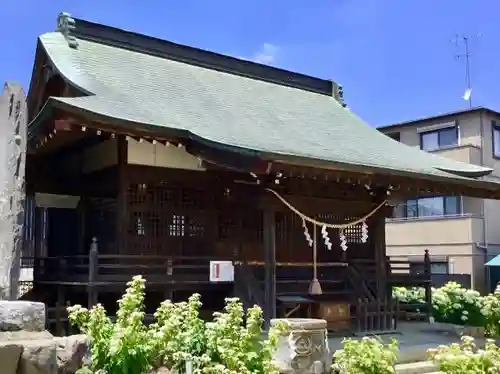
[463,41]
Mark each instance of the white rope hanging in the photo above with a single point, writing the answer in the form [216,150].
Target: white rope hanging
[326,225]
[307,235]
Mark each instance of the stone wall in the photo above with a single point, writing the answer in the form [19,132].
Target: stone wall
[27,348]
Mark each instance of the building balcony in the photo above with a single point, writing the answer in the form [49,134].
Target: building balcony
[465,153]
[421,232]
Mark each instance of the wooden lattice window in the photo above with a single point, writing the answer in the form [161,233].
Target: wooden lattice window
[252,225]
[352,234]
[196,228]
[145,224]
[140,224]
[227,226]
[137,194]
[177,226]
[192,198]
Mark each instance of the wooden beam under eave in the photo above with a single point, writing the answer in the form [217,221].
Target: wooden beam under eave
[411,185]
[116,126]
[415,187]
[311,205]
[320,174]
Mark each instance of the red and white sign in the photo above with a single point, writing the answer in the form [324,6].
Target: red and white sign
[221,271]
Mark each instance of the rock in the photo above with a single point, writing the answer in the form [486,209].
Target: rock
[22,315]
[304,347]
[38,357]
[72,353]
[9,357]
[6,336]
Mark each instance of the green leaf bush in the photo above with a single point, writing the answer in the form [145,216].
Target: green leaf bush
[412,295]
[232,344]
[466,358]
[490,308]
[455,304]
[366,356]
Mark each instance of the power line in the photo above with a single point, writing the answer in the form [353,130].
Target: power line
[463,41]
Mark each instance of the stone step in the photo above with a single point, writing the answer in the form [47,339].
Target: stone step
[422,367]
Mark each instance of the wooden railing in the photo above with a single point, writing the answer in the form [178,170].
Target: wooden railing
[116,268]
[376,316]
[99,269]
[367,266]
[360,271]
[291,277]
[195,269]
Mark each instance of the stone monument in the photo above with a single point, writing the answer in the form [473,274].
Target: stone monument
[303,348]
[13,127]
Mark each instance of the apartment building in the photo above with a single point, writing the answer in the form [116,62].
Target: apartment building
[460,232]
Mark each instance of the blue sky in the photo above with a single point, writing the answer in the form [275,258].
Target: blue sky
[393,57]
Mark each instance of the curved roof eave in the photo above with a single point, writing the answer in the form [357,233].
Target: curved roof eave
[76,106]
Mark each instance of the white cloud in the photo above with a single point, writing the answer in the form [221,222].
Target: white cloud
[266,54]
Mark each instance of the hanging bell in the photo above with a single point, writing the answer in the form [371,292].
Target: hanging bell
[315,287]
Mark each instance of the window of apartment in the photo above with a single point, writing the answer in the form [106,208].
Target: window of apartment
[495,128]
[395,136]
[437,139]
[437,206]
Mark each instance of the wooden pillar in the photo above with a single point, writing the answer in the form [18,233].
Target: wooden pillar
[60,304]
[377,233]
[121,202]
[93,271]
[269,227]
[81,226]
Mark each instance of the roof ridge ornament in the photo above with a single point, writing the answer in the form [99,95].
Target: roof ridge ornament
[65,25]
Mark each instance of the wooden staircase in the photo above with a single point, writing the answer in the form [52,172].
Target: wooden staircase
[362,287]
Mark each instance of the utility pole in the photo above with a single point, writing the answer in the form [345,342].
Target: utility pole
[463,41]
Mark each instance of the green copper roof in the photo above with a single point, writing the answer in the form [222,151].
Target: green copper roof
[277,121]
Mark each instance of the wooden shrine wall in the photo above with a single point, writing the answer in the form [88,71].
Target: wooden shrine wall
[169,212]
[187,213]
